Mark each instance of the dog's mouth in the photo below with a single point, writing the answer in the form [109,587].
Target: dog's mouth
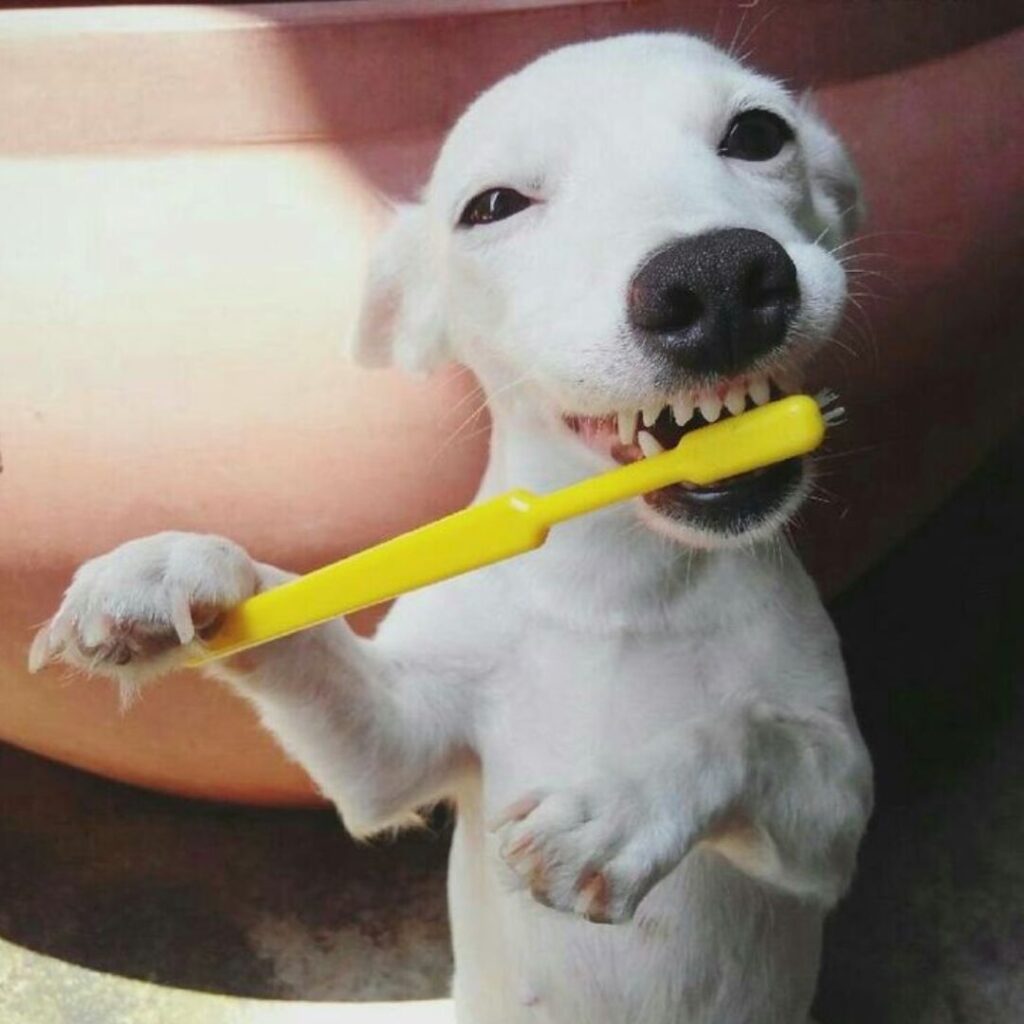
[731,506]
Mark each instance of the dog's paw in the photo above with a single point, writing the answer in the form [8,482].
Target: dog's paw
[131,614]
[595,851]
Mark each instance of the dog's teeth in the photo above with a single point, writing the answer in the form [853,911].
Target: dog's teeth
[710,407]
[648,444]
[627,427]
[651,414]
[682,410]
[787,380]
[736,399]
[760,389]
[825,397]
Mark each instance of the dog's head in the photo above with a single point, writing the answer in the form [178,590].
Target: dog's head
[624,240]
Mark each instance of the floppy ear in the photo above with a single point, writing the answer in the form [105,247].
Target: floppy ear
[835,184]
[401,322]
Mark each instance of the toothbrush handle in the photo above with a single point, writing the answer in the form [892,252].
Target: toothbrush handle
[511,524]
[507,525]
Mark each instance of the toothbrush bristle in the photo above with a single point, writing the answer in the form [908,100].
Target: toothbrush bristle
[832,414]
[825,397]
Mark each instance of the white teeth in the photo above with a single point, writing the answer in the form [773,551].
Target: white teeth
[627,427]
[630,425]
[736,399]
[760,389]
[682,410]
[648,444]
[787,380]
[650,414]
[710,407]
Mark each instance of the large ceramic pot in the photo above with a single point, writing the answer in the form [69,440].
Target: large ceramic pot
[186,198]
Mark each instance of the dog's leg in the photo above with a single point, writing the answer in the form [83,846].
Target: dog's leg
[802,804]
[379,733]
[783,795]
[382,731]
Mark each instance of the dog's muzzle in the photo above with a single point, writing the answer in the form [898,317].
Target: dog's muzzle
[711,305]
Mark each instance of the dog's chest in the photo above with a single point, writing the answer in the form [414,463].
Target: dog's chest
[567,708]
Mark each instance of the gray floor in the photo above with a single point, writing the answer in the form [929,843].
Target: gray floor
[267,903]
[282,904]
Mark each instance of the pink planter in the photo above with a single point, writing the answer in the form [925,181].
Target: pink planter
[187,196]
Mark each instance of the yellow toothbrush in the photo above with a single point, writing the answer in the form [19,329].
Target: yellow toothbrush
[511,524]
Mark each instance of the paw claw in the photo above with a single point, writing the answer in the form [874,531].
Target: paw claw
[181,617]
[130,613]
[537,881]
[40,653]
[516,851]
[516,811]
[592,901]
[594,851]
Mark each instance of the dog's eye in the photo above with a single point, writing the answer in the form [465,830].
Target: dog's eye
[494,204]
[755,135]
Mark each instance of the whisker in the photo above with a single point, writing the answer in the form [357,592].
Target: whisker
[847,453]
[748,41]
[820,499]
[484,399]
[472,395]
[730,50]
[831,495]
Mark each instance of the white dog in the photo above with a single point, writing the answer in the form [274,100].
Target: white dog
[645,725]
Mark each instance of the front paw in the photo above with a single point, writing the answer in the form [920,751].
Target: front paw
[594,851]
[132,614]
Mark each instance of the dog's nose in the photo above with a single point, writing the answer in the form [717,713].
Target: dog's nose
[715,302]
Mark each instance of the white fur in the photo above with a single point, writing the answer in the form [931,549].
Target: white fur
[658,734]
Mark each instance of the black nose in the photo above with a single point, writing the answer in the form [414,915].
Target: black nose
[715,302]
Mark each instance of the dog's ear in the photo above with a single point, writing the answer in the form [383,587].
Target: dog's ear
[401,322]
[835,184]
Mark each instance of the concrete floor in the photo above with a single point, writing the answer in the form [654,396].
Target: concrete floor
[283,904]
